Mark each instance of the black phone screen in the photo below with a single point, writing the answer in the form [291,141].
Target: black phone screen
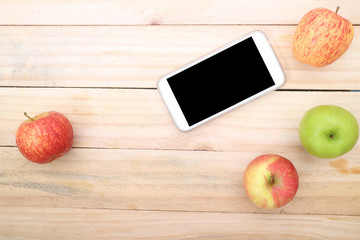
[220,81]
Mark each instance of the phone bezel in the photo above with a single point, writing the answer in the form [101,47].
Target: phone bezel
[268,55]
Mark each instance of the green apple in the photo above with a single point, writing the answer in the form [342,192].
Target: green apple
[328,131]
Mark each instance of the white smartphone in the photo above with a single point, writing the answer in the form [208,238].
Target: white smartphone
[216,83]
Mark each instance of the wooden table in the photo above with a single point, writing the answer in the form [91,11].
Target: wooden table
[131,174]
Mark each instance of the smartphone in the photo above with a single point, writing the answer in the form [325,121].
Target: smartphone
[222,80]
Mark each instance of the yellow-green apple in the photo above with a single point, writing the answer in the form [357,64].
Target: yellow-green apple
[45,137]
[321,37]
[328,131]
[271,181]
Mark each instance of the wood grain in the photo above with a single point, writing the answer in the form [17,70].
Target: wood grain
[57,223]
[131,173]
[138,119]
[170,180]
[98,12]
[136,57]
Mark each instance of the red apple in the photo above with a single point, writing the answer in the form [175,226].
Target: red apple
[45,137]
[321,37]
[271,181]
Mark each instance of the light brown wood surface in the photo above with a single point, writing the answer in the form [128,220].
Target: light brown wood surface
[114,224]
[139,12]
[136,56]
[131,174]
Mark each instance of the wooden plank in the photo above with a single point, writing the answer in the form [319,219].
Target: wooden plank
[171,180]
[126,56]
[44,223]
[138,119]
[65,12]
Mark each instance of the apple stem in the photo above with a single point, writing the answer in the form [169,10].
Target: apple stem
[337,9]
[29,116]
[271,180]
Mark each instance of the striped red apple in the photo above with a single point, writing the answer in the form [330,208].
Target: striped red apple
[322,36]
[44,138]
[271,181]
